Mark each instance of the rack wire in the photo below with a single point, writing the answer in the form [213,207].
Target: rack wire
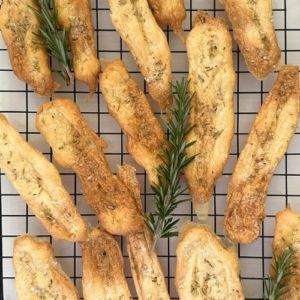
[19,104]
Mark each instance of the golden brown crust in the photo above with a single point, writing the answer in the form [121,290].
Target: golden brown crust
[38,274]
[75,17]
[169,13]
[287,235]
[29,59]
[146,271]
[39,184]
[75,145]
[205,268]
[267,142]
[254,32]
[129,106]
[146,41]
[212,81]
[103,275]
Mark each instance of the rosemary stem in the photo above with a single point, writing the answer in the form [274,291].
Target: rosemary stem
[174,159]
[155,239]
[55,40]
[68,75]
[160,222]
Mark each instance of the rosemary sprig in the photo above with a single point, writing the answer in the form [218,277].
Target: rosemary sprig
[55,40]
[174,160]
[275,284]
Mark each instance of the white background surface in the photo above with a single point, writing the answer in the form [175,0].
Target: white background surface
[19,104]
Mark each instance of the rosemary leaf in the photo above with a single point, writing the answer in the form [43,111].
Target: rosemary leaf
[55,40]
[174,160]
[275,284]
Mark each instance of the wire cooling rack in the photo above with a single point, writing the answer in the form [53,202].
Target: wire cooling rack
[19,104]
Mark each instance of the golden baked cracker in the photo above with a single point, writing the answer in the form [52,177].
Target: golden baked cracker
[76,146]
[39,184]
[267,142]
[129,106]
[28,56]
[212,82]
[254,32]
[103,275]
[205,269]
[38,274]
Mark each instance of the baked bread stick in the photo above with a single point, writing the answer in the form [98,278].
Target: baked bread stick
[205,269]
[39,184]
[169,13]
[212,81]
[287,235]
[75,17]
[29,58]
[146,271]
[38,274]
[254,32]
[267,142]
[129,106]
[103,275]
[146,41]
[76,146]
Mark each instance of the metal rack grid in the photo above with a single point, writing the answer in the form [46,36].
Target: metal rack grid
[20,104]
